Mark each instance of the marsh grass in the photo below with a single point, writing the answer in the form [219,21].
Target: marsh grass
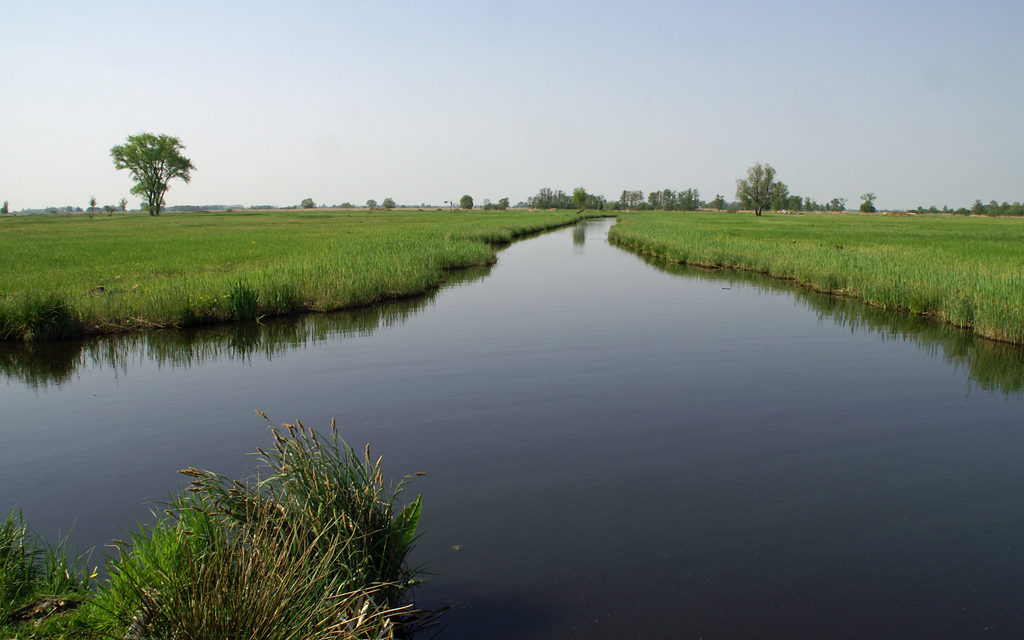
[201,574]
[967,272]
[312,545]
[244,302]
[72,275]
[18,563]
[37,578]
[38,317]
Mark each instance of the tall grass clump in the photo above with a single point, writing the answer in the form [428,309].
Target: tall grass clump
[38,317]
[36,579]
[313,545]
[18,563]
[244,302]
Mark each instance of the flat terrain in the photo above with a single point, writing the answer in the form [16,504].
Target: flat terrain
[72,275]
[966,271]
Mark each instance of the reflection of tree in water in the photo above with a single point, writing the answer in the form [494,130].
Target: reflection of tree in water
[579,234]
[992,366]
[42,364]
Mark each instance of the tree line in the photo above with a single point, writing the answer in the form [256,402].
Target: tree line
[979,208]
[154,160]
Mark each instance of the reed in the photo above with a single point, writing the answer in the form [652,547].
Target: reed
[312,545]
[36,579]
[968,272]
[73,275]
[201,574]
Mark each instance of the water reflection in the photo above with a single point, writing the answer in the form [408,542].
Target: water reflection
[992,366]
[989,365]
[46,364]
[579,235]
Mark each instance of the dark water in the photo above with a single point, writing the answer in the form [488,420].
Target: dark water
[615,448]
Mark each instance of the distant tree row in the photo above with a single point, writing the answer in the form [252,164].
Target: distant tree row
[993,208]
[550,199]
[154,160]
[762,192]
[665,200]
[500,205]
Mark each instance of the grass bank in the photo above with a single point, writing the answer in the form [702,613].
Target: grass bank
[312,546]
[965,271]
[73,275]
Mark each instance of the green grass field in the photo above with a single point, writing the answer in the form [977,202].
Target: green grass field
[74,275]
[966,271]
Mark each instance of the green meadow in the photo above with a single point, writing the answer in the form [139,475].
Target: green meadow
[965,271]
[75,275]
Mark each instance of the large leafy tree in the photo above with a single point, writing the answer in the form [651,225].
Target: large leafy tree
[579,198]
[466,202]
[756,191]
[153,160]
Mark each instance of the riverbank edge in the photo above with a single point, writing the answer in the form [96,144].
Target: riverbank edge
[51,317]
[991,335]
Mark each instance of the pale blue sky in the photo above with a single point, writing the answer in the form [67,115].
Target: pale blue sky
[919,102]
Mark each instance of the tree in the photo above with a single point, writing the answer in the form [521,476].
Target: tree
[579,198]
[4,209]
[92,205]
[503,204]
[466,202]
[595,202]
[307,204]
[654,199]
[688,200]
[389,204]
[837,204]
[548,199]
[123,204]
[718,203]
[670,200]
[755,192]
[868,206]
[371,203]
[153,161]
[631,199]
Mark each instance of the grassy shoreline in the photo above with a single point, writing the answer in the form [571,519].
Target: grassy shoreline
[968,272]
[66,276]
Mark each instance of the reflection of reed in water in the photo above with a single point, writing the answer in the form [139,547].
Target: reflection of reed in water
[42,364]
[990,365]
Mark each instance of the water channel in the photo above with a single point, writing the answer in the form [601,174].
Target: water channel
[615,447]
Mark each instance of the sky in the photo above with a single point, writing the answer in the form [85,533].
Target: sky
[919,102]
